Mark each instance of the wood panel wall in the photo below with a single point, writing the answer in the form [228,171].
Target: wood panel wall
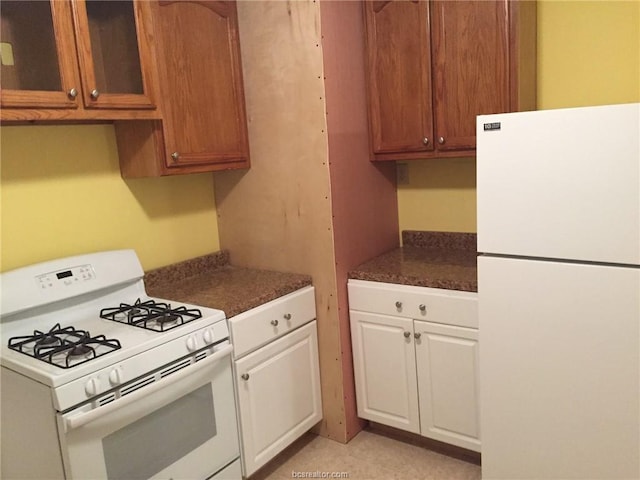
[311,202]
[363,194]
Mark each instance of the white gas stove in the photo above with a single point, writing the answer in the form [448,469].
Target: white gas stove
[81,334]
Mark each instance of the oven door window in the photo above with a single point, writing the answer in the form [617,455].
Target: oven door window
[152,443]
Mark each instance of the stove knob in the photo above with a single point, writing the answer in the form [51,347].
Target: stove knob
[91,387]
[208,336]
[191,343]
[115,376]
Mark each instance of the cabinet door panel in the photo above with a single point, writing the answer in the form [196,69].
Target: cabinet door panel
[470,57]
[399,65]
[114,53]
[385,370]
[39,67]
[280,398]
[201,83]
[447,365]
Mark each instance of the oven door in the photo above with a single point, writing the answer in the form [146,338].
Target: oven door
[182,426]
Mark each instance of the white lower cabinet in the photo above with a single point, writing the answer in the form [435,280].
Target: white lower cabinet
[278,383]
[447,365]
[385,370]
[415,354]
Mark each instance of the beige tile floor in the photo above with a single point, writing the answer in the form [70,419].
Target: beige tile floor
[369,455]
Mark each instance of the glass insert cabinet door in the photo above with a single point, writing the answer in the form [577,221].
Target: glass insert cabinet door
[38,62]
[67,53]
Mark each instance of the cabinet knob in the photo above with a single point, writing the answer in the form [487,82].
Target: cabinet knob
[95,94]
[73,93]
[441,140]
[287,316]
[398,305]
[417,335]
[425,140]
[175,155]
[274,323]
[422,307]
[245,376]
[407,334]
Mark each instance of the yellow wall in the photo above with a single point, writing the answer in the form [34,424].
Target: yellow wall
[61,191]
[62,194]
[588,54]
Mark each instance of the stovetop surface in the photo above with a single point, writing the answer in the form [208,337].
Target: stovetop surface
[132,340]
[74,292]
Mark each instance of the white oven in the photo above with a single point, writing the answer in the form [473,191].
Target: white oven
[170,429]
[160,405]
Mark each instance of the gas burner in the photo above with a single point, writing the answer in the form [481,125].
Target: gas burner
[151,315]
[166,317]
[48,340]
[63,347]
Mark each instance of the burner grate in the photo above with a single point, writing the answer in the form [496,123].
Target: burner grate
[63,347]
[151,315]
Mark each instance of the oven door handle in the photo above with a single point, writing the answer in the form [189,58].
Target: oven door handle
[77,421]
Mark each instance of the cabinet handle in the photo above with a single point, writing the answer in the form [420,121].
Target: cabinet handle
[441,140]
[95,94]
[417,335]
[425,140]
[274,323]
[175,155]
[423,307]
[73,93]
[287,316]
[407,334]
[398,305]
[245,376]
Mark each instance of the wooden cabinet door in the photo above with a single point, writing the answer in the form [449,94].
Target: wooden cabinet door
[470,67]
[201,84]
[114,52]
[447,366]
[278,395]
[385,370]
[39,67]
[399,76]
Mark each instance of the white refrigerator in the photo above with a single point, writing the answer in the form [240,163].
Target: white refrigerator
[559,293]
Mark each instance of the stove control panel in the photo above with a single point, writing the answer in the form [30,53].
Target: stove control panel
[66,278]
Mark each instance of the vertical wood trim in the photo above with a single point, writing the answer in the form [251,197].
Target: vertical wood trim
[523,55]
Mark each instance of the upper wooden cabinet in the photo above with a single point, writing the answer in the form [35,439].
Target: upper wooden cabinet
[433,66]
[204,126]
[77,60]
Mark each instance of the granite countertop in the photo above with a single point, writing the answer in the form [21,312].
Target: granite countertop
[211,281]
[426,259]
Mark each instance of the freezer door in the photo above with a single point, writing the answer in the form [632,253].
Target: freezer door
[559,370]
[561,184]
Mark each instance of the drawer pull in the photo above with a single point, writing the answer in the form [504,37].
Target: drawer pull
[417,335]
[398,305]
[245,376]
[407,334]
[423,308]
[274,323]
[287,316]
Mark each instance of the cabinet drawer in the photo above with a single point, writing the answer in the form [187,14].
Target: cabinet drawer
[450,307]
[265,323]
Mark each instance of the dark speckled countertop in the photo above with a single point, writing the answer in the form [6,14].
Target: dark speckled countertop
[426,259]
[211,281]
